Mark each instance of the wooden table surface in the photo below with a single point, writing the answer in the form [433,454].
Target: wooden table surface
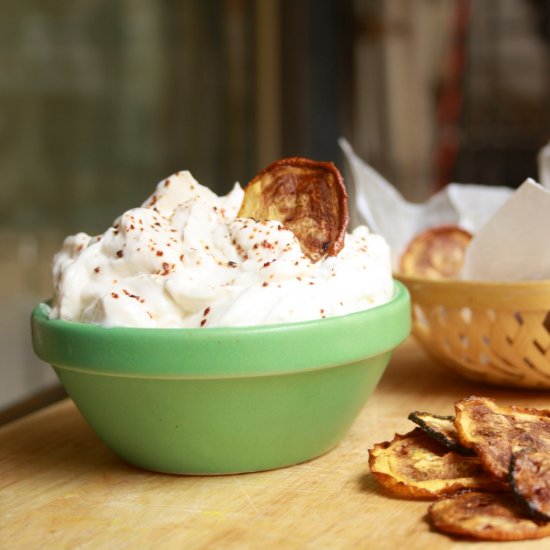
[60,487]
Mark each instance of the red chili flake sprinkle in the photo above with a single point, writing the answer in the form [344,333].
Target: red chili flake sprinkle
[166,267]
[311,283]
[206,247]
[167,183]
[203,322]
[267,264]
[322,311]
[132,226]
[153,200]
[266,244]
[265,283]
[160,253]
[119,253]
[140,300]
[97,269]
[206,311]
[280,227]
[181,257]
[114,295]
[232,264]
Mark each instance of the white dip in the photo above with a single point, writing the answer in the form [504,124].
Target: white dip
[183,259]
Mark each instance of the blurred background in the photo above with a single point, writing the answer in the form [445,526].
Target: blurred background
[101,99]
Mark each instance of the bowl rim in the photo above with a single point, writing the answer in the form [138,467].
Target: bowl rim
[261,350]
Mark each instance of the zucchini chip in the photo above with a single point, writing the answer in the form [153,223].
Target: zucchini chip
[495,432]
[414,465]
[485,516]
[530,481]
[442,429]
[309,198]
[437,253]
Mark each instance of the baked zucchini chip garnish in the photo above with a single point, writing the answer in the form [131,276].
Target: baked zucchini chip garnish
[414,465]
[437,253]
[530,481]
[309,198]
[442,429]
[494,432]
[485,516]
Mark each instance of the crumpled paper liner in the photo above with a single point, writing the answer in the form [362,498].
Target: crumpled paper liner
[543,160]
[511,228]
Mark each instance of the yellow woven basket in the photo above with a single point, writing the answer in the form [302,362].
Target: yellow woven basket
[492,332]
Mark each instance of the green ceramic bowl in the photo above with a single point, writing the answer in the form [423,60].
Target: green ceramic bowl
[223,400]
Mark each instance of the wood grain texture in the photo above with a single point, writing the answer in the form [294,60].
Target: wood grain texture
[60,487]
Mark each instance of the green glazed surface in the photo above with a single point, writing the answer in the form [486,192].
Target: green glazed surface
[223,400]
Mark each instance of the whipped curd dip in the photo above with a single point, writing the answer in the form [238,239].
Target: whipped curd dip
[183,259]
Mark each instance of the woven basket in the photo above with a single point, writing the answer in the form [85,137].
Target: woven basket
[492,332]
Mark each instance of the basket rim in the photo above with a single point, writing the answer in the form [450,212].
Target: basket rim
[465,283]
[510,295]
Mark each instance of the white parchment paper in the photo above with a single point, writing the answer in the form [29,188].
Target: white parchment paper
[514,245]
[511,228]
[381,207]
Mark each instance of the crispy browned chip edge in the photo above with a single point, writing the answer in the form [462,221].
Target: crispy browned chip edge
[457,515]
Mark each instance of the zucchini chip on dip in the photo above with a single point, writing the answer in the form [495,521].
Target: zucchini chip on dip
[485,516]
[530,481]
[414,465]
[308,197]
[496,432]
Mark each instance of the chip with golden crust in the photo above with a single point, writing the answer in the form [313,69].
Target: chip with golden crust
[485,516]
[530,481]
[495,432]
[308,197]
[442,429]
[437,253]
[414,465]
